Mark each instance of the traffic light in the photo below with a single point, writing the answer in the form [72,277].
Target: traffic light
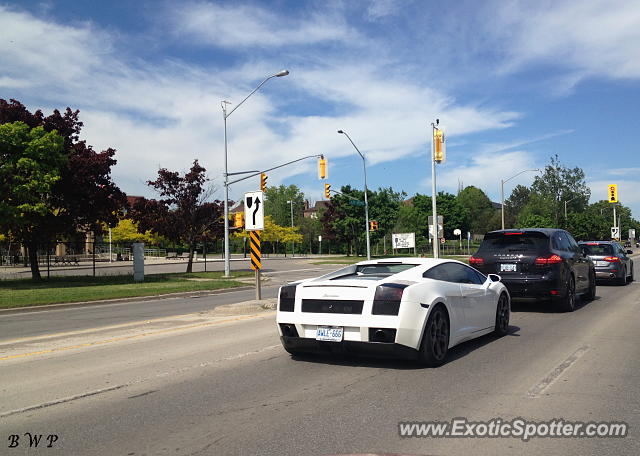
[613,193]
[322,168]
[438,146]
[263,182]
[327,191]
[373,225]
[238,220]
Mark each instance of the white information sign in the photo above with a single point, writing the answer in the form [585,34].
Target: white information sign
[403,240]
[254,211]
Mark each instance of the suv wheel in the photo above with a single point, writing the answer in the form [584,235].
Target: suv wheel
[590,295]
[623,280]
[568,302]
[631,276]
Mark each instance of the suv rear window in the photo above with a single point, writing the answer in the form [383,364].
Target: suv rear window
[515,242]
[598,249]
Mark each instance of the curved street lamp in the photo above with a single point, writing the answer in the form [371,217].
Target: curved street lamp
[225,115]
[502,182]
[366,202]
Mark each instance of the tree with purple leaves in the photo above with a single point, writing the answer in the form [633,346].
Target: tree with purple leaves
[183,214]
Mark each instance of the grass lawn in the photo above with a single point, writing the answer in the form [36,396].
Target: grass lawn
[25,292]
[352,260]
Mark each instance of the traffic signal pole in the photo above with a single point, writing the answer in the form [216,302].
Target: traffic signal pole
[433,190]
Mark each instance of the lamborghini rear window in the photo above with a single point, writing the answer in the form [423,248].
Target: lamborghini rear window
[374,271]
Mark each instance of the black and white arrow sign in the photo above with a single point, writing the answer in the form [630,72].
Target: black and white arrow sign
[254,211]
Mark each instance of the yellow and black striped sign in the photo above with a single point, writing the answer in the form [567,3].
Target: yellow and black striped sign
[255,250]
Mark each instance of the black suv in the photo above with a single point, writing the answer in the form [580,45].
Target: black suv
[541,263]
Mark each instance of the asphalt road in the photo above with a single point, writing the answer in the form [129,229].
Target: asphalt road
[225,386]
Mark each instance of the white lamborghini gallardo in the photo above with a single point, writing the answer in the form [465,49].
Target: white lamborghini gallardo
[405,307]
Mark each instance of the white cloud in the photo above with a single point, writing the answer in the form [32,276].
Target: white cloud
[166,114]
[596,37]
[485,170]
[382,8]
[627,192]
[250,25]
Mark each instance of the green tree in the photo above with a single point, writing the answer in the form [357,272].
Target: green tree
[384,207]
[537,213]
[558,184]
[343,221]
[279,209]
[513,205]
[479,208]
[31,163]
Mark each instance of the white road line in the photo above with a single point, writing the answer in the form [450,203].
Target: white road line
[556,373]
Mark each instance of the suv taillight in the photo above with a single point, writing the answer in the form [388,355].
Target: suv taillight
[553,259]
[473,261]
[387,299]
[611,259]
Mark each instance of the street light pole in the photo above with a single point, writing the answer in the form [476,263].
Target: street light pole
[225,115]
[293,244]
[366,202]
[565,206]
[504,181]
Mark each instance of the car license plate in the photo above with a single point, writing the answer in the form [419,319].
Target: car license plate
[507,267]
[602,264]
[329,333]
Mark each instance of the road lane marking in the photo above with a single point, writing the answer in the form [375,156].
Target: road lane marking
[557,372]
[136,382]
[134,336]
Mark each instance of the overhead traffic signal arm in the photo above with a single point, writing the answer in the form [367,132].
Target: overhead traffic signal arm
[253,174]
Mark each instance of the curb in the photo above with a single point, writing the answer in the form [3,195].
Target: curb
[122,300]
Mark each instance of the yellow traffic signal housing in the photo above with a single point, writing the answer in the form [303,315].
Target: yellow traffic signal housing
[322,168]
[613,193]
[327,191]
[439,149]
[238,220]
[373,225]
[263,182]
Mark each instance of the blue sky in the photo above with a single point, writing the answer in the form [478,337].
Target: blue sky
[513,83]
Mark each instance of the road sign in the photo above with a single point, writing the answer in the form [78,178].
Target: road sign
[356,203]
[254,211]
[319,238]
[254,247]
[403,240]
[613,193]
[632,233]
[440,226]
[615,232]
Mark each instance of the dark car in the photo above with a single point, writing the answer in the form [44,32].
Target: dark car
[540,263]
[611,261]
